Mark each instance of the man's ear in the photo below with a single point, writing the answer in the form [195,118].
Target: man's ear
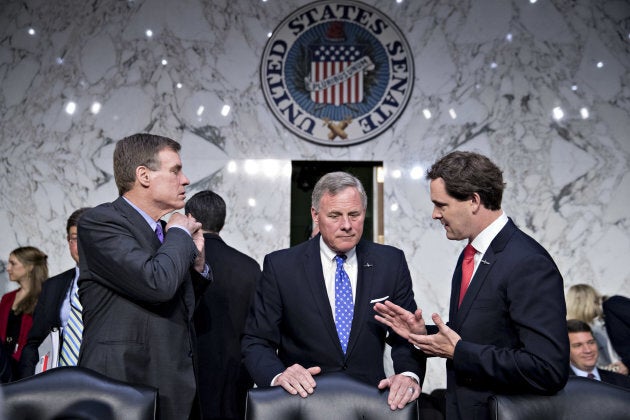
[314,215]
[475,202]
[142,175]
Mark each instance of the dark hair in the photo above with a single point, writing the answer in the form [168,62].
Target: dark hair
[38,261]
[208,208]
[466,173]
[575,325]
[334,182]
[73,220]
[138,150]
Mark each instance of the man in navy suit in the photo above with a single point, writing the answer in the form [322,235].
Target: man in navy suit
[220,315]
[584,353]
[507,332]
[53,305]
[291,334]
[140,277]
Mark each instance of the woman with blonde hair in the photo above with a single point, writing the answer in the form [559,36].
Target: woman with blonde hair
[27,267]
[585,304]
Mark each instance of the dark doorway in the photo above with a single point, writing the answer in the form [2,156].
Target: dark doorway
[305,174]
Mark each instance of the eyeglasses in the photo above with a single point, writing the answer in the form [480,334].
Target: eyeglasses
[72,239]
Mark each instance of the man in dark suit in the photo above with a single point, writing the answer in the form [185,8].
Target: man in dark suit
[220,315]
[137,292]
[507,331]
[584,353]
[300,325]
[53,305]
[617,315]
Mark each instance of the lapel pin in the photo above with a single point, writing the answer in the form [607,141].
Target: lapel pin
[485,262]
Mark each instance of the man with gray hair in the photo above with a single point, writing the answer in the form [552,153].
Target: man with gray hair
[312,312]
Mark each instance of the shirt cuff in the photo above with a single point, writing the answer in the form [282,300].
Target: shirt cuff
[412,376]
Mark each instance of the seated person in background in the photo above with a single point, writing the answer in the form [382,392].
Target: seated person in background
[53,307]
[27,267]
[299,325]
[585,304]
[584,354]
[617,316]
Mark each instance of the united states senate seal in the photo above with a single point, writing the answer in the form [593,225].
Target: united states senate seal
[337,72]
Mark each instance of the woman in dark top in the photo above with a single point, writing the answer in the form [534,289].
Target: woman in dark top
[27,267]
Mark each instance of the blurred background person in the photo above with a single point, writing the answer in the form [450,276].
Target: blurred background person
[584,303]
[53,306]
[28,267]
[584,354]
[221,313]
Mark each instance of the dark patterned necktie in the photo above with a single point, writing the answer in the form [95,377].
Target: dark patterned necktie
[344,306]
[159,231]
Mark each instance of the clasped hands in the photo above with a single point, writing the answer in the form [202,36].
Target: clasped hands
[194,228]
[411,327]
[299,380]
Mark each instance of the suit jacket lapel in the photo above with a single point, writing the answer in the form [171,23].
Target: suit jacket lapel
[485,267]
[136,221]
[312,266]
[365,281]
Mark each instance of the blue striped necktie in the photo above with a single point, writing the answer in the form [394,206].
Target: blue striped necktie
[72,333]
[344,306]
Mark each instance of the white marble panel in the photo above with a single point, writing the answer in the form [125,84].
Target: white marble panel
[491,76]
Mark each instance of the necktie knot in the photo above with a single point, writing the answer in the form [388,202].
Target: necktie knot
[340,259]
[469,252]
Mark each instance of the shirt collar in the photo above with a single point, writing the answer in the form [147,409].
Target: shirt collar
[484,239]
[580,372]
[329,254]
[144,215]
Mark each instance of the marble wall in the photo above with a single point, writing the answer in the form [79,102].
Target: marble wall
[542,87]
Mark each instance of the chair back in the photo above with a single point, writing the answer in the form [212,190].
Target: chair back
[77,393]
[336,397]
[580,399]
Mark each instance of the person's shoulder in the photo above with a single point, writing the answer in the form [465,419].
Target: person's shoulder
[616,301]
[97,212]
[374,247]
[299,249]
[243,259]
[62,276]
[10,295]
[615,378]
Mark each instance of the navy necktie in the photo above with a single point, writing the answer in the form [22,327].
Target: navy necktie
[344,306]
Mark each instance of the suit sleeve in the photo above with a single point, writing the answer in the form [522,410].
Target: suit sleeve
[533,355]
[114,250]
[262,330]
[617,319]
[404,356]
[37,333]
